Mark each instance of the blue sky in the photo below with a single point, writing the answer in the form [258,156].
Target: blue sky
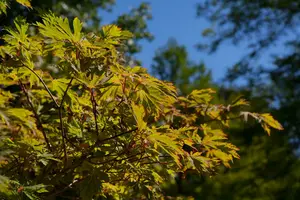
[177,19]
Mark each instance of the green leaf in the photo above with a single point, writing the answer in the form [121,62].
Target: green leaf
[3,7]
[77,25]
[54,27]
[208,32]
[89,187]
[40,188]
[111,31]
[139,114]
[4,184]
[201,96]
[31,195]
[113,34]
[270,121]
[239,102]
[25,3]
[19,113]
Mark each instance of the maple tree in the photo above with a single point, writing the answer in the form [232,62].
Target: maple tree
[85,126]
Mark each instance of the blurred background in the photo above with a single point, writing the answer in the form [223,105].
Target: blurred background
[237,47]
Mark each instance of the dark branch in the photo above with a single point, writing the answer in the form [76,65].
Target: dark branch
[45,86]
[40,125]
[116,158]
[63,134]
[115,136]
[94,110]
[66,91]
[65,188]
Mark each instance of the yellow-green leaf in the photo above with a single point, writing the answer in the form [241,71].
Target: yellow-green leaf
[77,25]
[268,119]
[139,114]
[25,3]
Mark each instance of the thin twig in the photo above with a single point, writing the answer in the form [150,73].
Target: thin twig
[216,118]
[40,125]
[63,134]
[115,136]
[98,142]
[66,187]
[66,91]
[94,104]
[44,84]
[116,158]
[102,130]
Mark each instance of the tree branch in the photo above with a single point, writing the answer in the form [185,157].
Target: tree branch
[44,84]
[116,158]
[98,142]
[63,134]
[65,92]
[115,136]
[216,118]
[65,188]
[40,125]
[94,104]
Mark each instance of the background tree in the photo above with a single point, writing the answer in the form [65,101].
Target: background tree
[171,63]
[261,25]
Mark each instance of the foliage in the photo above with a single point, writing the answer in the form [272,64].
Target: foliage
[86,126]
[269,169]
[4,4]
[85,10]
[88,11]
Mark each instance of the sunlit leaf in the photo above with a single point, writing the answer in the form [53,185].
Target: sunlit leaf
[24,3]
